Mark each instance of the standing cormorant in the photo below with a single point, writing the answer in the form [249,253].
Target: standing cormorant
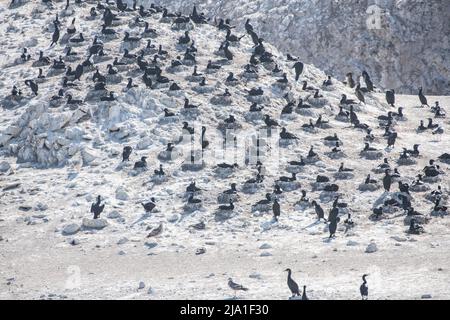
[364,289]
[96,208]
[293,286]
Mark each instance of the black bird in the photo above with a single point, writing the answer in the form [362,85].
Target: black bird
[304,296]
[359,94]
[96,208]
[390,97]
[149,206]
[298,66]
[33,86]
[364,289]
[126,153]
[387,181]
[229,207]
[276,209]
[55,36]
[319,211]
[141,163]
[422,98]
[293,286]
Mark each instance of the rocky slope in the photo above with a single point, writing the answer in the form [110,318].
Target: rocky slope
[409,49]
[57,157]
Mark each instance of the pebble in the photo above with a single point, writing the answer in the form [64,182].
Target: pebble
[70,229]
[265,254]
[141,285]
[372,247]
[265,246]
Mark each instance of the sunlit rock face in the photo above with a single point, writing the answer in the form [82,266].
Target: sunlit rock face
[403,44]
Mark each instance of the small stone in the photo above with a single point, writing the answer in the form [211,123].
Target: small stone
[150,290]
[255,275]
[94,223]
[151,245]
[352,243]
[372,247]
[70,229]
[122,194]
[265,254]
[426,296]
[114,215]
[122,241]
[265,246]
[122,253]
[141,285]
[74,242]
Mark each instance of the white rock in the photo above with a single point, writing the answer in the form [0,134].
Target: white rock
[122,194]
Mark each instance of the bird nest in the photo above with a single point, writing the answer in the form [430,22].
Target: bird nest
[336,155]
[287,142]
[419,219]
[371,155]
[368,187]
[302,205]
[251,188]
[419,188]
[344,175]
[221,100]
[288,116]
[342,118]
[263,207]
[254,116]
[332,143]
[204,89]
[294,169]
[224,173]
[224,198]
[327,196]
[312,160]
[431,179]
[307,112]
[193,166]
[258,99]
[191,207]
[114,78]
[166,120]
[159,179]
[289,185]
[318,186]
[406,161]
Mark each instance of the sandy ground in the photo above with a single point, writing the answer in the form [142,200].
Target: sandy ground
[38,261]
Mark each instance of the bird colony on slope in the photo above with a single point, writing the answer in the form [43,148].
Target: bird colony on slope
[134,81]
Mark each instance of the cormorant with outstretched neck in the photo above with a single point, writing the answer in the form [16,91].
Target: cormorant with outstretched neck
[364,289]
[33,86]
[422,98]
[97,208]
[293,286]
[56,34]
